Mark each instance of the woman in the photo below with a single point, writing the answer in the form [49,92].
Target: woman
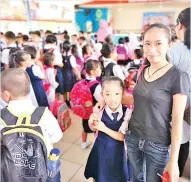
[180,56]
[159,97]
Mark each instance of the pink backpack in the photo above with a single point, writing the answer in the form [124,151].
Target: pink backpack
[122,53]
[60,110]
[80,64]
[81,99]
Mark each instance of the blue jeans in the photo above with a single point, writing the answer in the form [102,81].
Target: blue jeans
[147,158]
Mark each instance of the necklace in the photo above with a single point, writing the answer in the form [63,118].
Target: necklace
[156,70]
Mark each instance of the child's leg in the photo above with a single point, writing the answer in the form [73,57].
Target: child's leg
[84,136]
[85,131]
[65,96]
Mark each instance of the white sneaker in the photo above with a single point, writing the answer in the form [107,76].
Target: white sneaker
[85,145]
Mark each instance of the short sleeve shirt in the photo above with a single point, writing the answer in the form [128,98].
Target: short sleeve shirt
[153,105]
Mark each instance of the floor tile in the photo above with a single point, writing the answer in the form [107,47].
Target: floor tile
[91,138]
[182,179]
[76,154]
[79,176]
[62,146]
[71,135]
[68,170]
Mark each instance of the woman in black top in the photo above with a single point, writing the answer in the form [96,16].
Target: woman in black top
[159,97]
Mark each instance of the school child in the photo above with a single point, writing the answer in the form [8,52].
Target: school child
[51,46]
[50,72]
[93,70]
[22,59]
[70,70]
[32,135]
[137,59]
[107,160]
[38,64]
[87,52]
[36,77]
[109,62]
[122,52]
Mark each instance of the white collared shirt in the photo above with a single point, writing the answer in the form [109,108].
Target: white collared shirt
[127,117]
[97,93]
[72,59]
[49,125]
[116,68]
[5,54]
[56,52]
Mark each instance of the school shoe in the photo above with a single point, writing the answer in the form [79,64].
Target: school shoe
[85,145]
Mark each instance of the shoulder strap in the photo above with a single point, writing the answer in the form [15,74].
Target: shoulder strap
[91,83]
[6,48]
[140,71]
[51,50]
[10,119]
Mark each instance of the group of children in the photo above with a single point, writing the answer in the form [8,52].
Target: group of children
[53,73]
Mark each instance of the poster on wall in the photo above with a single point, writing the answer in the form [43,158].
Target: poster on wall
[87,19]
[166,18]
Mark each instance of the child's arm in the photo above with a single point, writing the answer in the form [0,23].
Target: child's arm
[37,72]
[100,126]
[41,66]
[51,77]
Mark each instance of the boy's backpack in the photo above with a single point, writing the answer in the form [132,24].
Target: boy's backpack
[81,99]
[23,138]
[122,53]
[60,110]
[108,70]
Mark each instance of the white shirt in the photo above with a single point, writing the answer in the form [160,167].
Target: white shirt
[37,71]
[56,52]
[124,125]
[49,125]
[5,54]
[72,60]
[97,93]
[117,71]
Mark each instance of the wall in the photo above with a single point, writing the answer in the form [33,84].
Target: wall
[129,17]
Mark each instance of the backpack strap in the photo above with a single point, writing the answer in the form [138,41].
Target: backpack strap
[109,69]
[91,83]
[9,118]
[140,71]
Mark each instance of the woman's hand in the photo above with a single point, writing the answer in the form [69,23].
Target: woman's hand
[173,171]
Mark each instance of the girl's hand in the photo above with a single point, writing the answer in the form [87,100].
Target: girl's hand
[173,171]
[93,117]
[99,125]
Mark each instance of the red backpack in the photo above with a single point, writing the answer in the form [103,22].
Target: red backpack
[81,99]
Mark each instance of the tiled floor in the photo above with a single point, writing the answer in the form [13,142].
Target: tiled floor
[73,158]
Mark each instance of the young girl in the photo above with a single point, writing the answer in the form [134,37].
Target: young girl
[70,71]
[22,59]
[50,76]
[93,70]
[87,52]
[107,161]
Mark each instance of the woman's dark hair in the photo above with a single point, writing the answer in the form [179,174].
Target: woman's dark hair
[51,39]
[66,46]
[91,64]
[184,19]
[121,40]
[74,50]
[113,79]
[17,58]
[167,32]
[138,53]
[31,50]
[48,59]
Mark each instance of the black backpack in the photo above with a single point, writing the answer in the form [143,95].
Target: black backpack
[108,70]
[23,138]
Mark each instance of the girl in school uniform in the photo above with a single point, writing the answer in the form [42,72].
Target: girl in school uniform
[51,46]
[93,70]
[107,161]
[87,52]
[50,73]
[70,70]
[22,59]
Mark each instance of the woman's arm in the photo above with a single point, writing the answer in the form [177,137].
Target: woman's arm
[179,104]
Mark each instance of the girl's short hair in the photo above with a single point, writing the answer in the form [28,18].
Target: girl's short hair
[91,64]
[66,46]
[48,58]
[113,79]
[121,40]
[107,49]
